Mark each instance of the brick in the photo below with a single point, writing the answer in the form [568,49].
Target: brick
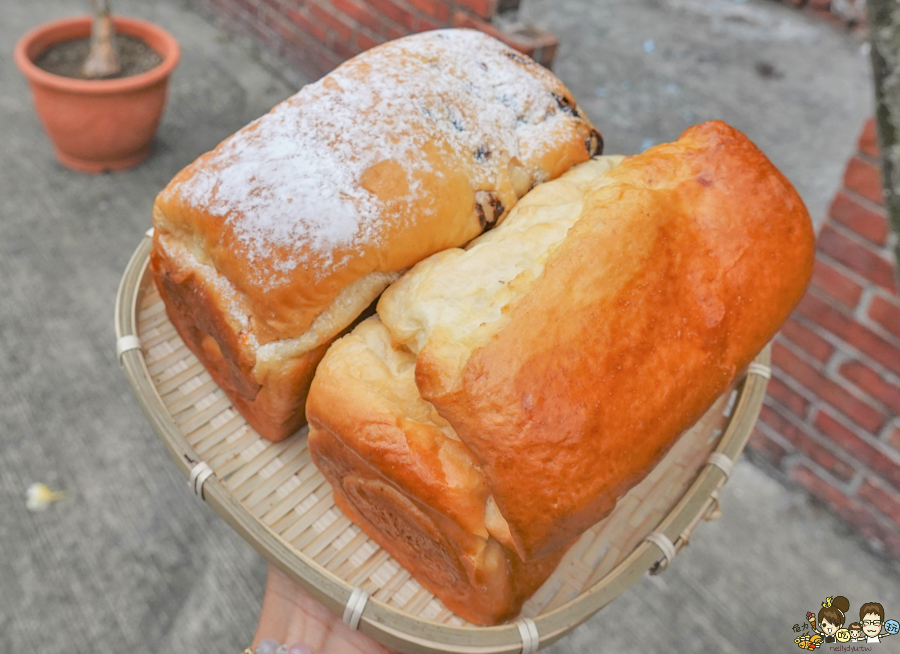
[287,30]
[866,219]
[864,177]
[861,259]
[894,439]
[817,310]
[461,19]
[771,451]
[819,487]
[807,340]
[434,8]
[250,7]
[868,140]
[882,498]
[890,544]
[342,30]
[481,8]
[862,413]
[851,511]
[771,417]
[314,29]
[394,11]
[815,451]
[345,49]
[794,402]
[279,6]
[394,31]
[260,32]
[886,313]
[325,60]
[364,41]
[360,13]
[870,382]
[868,454]
[423,24]
[836,284]
[301,58]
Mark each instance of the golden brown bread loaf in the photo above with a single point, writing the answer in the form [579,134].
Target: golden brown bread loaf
[270,246]
[508,394]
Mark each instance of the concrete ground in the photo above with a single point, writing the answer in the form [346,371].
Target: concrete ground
[132,562]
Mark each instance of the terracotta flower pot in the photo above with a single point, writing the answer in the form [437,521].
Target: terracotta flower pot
[98,125]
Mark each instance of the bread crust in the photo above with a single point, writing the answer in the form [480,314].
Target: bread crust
[273,405]
[392,157]
[561,354]
[683,265]
[409,485]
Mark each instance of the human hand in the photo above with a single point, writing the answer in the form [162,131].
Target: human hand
[291,615]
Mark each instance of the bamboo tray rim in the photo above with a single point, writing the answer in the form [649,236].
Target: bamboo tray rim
[386,624]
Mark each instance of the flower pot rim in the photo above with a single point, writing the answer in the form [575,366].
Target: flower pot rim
[170,53]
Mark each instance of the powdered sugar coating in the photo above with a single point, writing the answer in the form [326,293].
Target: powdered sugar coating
[289,184]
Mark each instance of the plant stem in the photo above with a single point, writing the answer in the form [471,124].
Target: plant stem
[102,61]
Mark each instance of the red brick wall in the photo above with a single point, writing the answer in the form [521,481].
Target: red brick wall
[831,420]
[317,35]
[847,14]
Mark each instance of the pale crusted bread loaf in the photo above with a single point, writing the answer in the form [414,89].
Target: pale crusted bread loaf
[397,467]
[399,471]
[269,246]
[567,349]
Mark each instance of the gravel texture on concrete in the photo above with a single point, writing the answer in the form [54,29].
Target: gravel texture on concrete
[134,563]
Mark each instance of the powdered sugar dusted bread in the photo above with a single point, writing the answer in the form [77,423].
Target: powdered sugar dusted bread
[508,394]
[271,245]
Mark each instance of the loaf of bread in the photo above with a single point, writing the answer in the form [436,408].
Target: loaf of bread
[508,394]
[270,246]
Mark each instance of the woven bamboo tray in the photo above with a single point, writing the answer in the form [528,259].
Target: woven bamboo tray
[276,499]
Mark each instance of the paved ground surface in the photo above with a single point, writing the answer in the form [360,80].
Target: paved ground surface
[133,563]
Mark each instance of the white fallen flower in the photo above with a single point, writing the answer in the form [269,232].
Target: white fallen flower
[40,497]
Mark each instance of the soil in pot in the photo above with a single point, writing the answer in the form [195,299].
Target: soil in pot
[67,57]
